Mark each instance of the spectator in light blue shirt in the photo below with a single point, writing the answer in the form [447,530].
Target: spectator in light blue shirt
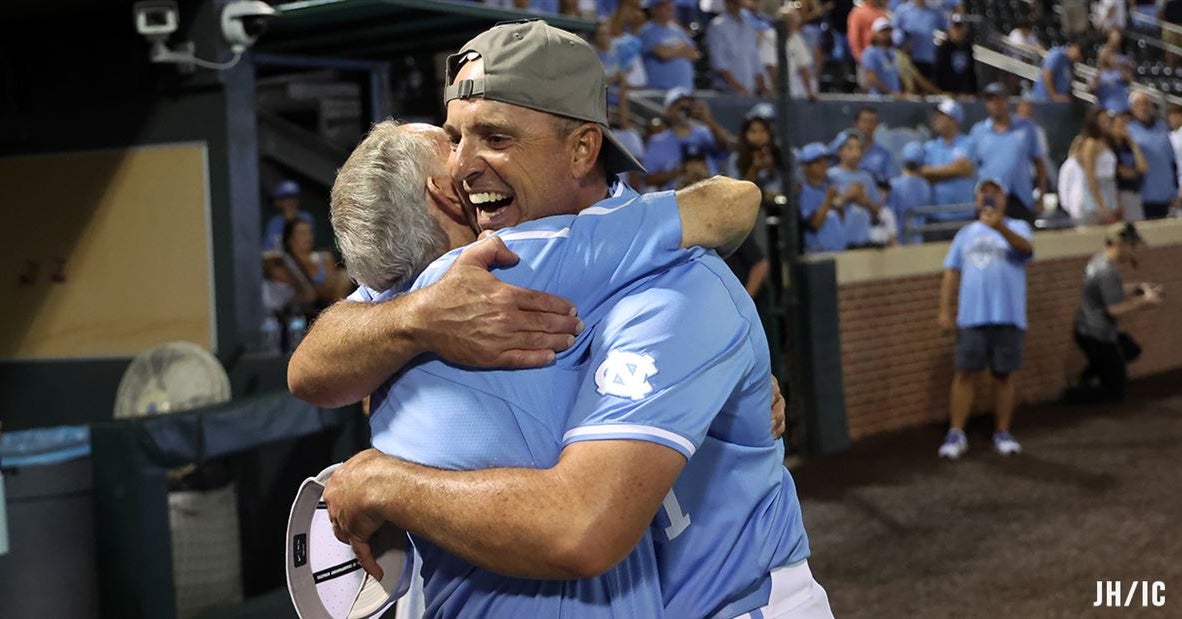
[1058,67]
[691,130]
[1007,148]
[819,212]
[285,197]
[878,61]
[1160,185]
[733,42]
[908,192]
[919,21]
[986,269]
[858,197]
[948,165]
[669,52]
[876,160]
[1111,82]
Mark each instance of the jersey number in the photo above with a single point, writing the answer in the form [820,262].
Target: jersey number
[678,520]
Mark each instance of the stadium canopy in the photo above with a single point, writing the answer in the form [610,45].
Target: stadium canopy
[382,29]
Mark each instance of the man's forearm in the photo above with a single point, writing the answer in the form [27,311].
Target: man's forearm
[948,288]
[351,349]
[956,169]
[523,526]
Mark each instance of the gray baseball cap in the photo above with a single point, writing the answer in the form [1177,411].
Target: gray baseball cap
[535,65]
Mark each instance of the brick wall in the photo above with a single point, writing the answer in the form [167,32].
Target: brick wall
[897,366]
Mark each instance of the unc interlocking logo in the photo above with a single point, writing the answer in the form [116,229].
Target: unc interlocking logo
[625,375]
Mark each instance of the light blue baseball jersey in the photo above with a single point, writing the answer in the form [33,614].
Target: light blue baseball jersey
[831,235]
[882,61]
[452,418]
[921,22]
[992,275]
[1161,180]
[1061,68]
[683,362]
[879,162]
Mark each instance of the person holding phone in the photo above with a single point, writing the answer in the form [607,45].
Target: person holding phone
[1104,299]
[986,271]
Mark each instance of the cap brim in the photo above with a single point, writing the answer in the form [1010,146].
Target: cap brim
[616,158]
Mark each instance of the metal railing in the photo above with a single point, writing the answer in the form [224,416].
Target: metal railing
[915,223]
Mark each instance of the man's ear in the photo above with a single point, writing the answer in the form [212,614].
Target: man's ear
[443,192]
[585,145]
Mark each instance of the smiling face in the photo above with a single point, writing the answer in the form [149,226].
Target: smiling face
[513,164]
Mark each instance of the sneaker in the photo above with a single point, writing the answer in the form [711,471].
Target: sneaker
[955,444]
[1005,444]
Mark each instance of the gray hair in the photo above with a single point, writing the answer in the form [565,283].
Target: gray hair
[379,208]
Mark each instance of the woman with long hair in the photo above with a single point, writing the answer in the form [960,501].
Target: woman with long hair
[757,157]
[318,267]
[1096,158]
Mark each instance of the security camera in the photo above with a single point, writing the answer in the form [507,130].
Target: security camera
[243,21]
[156,19]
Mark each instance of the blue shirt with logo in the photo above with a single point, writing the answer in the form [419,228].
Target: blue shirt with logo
[1061,68]
[831,235]
[920,22]
[992,275]
[447,417]
[882,61]
[665,74]
[1160,183]
[1008,156]
[939,152]
[907,193]
[684,363]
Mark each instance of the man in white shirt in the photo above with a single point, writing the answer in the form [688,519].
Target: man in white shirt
[802,75]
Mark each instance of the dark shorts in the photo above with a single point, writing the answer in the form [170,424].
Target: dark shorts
[998,348]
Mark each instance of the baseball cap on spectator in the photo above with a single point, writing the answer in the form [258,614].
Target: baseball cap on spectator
[913,153]
[285,189]
[880,24]
[951,109]
[534,65]
[676,94]
[958,19]
[763,110]
[990,180]
[812,152]
[996,89]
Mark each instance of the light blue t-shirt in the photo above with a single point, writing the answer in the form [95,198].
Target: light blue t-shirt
[882,61]
[831,235]
[879,162]
[1161,181]
[1112,92]
[938,152]
[451,418]
[684,363]
[920,23]
[856,219]
[665,74]
[992,275]
[907,193]
[1008,156]
[1061,68]
[664,150]
[733,46]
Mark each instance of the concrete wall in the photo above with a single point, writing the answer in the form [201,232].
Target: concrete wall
[897,365]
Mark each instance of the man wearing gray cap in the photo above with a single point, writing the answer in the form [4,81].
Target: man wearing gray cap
[643,410]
